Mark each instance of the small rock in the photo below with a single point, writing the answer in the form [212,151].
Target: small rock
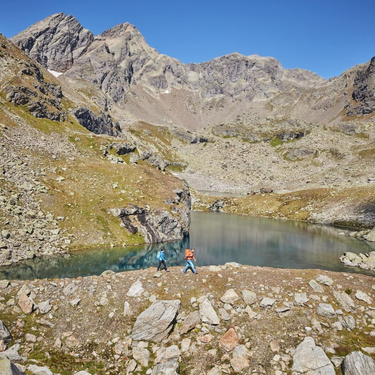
[230,296]
[267,302]
[239,363]
[127,309]
[229,340]
[317,288]
[249,297]
[301,298]
[325,280]
[44,307]
[325,309]
[362,296]
[30,337]
[135,290]
[190,322]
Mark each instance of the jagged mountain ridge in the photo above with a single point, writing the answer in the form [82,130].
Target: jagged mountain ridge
[140,84]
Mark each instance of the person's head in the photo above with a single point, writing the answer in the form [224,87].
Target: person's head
[162,250]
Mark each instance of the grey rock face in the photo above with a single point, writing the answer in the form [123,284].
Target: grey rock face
[364,89]
[98,124]
[357,363]
[155,323]
[55,42]
[311,359]
[158,225]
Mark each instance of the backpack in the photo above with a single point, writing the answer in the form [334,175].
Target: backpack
[158,256]
[189,254]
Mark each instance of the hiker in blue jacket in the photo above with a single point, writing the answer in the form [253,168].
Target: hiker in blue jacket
[161,260]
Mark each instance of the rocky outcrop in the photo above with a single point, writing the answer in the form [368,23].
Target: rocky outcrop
[26,84]
[98,124]
[158,225]
[364,261]
[55,42]
[364,90]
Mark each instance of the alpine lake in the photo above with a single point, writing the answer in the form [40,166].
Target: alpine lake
[217,239]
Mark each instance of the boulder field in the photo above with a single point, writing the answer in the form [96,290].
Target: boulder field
[228,319]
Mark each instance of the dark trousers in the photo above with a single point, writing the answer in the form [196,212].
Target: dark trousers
[162,263]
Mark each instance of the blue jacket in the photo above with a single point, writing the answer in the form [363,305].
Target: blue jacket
[160,255]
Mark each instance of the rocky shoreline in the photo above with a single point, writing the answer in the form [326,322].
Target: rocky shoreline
[227,319]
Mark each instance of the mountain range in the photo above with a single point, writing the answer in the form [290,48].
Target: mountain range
[127,78]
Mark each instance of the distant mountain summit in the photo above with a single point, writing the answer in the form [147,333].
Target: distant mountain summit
[55,42]
[137,83]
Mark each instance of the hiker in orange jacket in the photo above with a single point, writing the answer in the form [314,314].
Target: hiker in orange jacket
[189,256]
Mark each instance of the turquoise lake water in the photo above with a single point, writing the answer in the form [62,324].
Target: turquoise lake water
[217,238]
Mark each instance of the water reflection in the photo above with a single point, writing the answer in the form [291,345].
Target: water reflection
[217,238]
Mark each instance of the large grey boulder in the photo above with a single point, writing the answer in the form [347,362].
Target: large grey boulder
[155,323]
[7,367]
[357,363]
[310,359]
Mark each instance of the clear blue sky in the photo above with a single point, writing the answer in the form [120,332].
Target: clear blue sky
[326,37]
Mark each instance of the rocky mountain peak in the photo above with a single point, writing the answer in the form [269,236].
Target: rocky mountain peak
[55,42]
[118,30]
